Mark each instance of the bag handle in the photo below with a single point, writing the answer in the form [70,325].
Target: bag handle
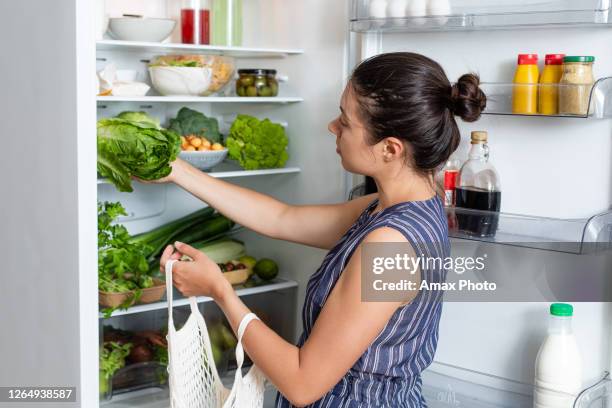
[248,318]
[169,292]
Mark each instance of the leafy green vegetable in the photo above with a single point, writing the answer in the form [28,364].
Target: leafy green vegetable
[122,264]
[112,358]
[141,117]
[191,122]
[257,144]
[127,148]
[161,354]
[190,64]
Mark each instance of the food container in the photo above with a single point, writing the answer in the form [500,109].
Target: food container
[190,75]
[106,387]
[257,82]
[148,295]
[136,28]
[140,375]
[204,160]
[575,85]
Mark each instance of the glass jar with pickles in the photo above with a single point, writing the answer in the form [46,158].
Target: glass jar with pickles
[256,82]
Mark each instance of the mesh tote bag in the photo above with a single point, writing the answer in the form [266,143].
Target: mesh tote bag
[194,380]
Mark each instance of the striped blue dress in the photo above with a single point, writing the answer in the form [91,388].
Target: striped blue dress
[388,372]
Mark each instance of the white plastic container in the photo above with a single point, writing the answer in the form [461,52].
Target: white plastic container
[558,369]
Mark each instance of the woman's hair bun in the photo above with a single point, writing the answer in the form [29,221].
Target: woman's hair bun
[467,99]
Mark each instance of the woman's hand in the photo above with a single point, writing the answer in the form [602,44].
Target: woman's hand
[200,277]
[178,166]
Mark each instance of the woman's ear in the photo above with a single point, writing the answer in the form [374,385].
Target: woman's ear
[393,148]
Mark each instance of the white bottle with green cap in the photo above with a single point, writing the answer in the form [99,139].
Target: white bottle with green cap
[558,368]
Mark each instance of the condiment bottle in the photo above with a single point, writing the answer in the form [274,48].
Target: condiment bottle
[525,97]
[558,367]
[478,189]
[449,176]
[576,84]
[548,93]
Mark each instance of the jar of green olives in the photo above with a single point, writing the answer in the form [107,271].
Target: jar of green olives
[256,82]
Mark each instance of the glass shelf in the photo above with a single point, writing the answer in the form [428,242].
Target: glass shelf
[156,47]
[499,99]
[574,236]
[180,300]
[373,16]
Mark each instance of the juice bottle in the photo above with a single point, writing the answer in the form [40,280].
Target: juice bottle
[548,95]
[226,24]
[525,97]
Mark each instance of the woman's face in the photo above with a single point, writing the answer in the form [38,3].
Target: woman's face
[357,155]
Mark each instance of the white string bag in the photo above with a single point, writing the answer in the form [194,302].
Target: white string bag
[194,380]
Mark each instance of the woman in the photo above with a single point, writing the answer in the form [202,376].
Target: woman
[396,125]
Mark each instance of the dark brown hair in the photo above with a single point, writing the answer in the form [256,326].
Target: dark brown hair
[408,96]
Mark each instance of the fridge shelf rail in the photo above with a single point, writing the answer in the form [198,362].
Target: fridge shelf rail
[447,386]
[200,99]
[155,47]
[372,16]
[239,173]
[179,300]
[573,236]
[499,98]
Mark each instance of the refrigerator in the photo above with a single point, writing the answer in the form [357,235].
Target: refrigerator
[555,174]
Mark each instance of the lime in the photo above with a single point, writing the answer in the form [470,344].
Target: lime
[266,269]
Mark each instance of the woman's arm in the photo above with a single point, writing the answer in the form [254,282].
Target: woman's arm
[320,226]
[343,331]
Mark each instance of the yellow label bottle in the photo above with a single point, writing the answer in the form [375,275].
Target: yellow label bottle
[548,96]
[525,90]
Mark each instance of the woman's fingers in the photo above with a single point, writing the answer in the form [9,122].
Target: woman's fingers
[165,258]
[167,255]
[188,250]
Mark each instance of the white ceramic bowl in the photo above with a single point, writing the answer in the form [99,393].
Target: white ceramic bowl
[141,29]
[204,160]
[181,81]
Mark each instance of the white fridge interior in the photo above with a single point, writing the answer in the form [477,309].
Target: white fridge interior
[555,172]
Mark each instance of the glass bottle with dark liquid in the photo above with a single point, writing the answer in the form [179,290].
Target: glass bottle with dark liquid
[478,189]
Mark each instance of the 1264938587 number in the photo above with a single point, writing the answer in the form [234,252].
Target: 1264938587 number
[34,394]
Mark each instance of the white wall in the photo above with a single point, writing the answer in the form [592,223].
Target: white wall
[548,167]
[47,309]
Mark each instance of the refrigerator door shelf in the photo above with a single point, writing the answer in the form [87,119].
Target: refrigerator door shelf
[478,390]
[482,15]
[499,99]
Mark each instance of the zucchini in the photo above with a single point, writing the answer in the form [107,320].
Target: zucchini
[223,250]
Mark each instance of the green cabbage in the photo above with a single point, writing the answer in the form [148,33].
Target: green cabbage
[127,148]
[257,144]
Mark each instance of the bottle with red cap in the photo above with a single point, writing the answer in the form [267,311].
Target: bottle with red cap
[525,90]
[548,94]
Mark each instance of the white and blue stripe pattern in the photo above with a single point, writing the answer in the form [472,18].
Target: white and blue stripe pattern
[388,374]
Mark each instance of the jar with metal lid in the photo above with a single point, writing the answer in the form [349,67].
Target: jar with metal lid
[575,85]
[256,82]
